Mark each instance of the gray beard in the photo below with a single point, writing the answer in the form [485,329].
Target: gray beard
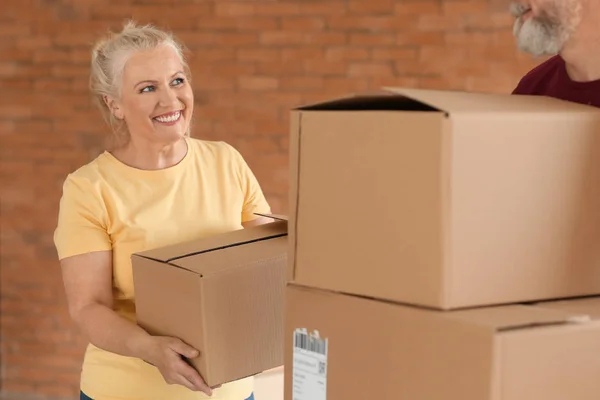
[539,37]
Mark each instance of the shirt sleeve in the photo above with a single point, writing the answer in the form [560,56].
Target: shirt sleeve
[254,198]
[81,224]
[518,90]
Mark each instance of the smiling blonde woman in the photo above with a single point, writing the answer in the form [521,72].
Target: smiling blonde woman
[156,186]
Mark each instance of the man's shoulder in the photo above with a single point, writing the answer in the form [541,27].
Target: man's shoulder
[537,76]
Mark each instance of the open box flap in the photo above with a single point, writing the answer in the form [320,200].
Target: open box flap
[370,101]
[468,102]
[448,102]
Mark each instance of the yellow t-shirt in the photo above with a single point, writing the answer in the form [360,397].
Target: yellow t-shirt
[107,205]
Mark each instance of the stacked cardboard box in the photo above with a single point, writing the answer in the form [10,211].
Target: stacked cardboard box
[444,245]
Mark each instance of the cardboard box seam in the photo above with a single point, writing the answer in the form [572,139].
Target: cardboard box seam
[578,319]
[296,188]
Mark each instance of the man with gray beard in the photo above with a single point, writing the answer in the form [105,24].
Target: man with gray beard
[569,32]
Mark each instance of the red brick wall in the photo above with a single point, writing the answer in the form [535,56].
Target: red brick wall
[252,61]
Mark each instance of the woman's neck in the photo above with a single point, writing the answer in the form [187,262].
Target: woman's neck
[151,156]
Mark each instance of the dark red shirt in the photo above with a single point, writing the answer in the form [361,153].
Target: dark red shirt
[551,79]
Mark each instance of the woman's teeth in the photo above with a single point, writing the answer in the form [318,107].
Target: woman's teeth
[169,118]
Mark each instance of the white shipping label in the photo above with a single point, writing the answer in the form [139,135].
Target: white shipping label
[310,366]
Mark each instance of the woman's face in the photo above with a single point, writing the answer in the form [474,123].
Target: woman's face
[156,99]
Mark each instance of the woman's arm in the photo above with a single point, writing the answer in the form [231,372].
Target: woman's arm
[88,285]
[88,282]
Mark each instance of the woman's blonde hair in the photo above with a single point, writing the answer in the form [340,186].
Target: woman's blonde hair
[109,57]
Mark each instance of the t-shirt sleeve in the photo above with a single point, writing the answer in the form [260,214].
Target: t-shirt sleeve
[81,224]
[254,198]
[516,90]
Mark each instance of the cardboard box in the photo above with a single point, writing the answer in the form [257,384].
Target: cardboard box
[446,199]
[224,295]
[345,347]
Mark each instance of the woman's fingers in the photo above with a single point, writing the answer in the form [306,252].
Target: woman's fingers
[183,348]
[192,376]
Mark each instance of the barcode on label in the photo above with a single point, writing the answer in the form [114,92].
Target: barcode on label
[310,343]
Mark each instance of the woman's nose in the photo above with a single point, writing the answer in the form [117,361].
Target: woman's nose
[168,97]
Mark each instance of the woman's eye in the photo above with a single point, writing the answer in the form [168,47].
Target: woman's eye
[152,88]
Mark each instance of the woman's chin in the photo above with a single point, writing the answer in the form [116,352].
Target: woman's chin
[171,133]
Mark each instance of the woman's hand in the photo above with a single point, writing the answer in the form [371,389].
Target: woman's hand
[165,353]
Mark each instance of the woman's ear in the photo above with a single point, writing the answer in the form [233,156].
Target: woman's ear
[113,106]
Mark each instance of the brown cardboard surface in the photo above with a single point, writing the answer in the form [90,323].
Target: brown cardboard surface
[446,199]
[382,350]
[485,103]
[224,295]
